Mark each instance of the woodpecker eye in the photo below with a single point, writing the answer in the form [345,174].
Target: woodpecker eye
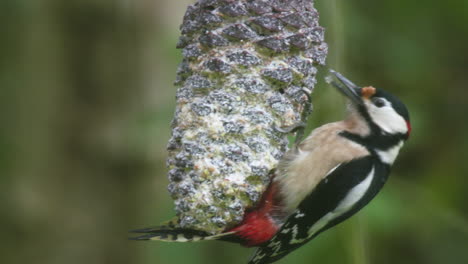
[379,102]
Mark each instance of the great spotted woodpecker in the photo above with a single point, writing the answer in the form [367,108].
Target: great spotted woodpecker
[324,180]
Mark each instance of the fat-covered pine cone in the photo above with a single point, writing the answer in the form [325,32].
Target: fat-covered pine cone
[247,68]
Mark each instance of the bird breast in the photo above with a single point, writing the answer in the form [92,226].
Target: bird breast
[320,153]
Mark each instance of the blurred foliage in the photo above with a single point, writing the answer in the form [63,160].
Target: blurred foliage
[87,99]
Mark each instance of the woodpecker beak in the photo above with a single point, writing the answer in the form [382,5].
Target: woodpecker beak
[347,88]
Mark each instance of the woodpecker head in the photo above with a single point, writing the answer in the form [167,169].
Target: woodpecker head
[384,113]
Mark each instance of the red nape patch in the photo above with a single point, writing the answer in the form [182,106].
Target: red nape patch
[258,227]
[409,128]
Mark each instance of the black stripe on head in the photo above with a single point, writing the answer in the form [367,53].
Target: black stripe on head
[399,107]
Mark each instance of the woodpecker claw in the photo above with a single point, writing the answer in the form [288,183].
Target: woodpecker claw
[291,129]
[307,92]
[307,110]
[297,128]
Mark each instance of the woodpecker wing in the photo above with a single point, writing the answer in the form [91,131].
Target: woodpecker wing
[344,191]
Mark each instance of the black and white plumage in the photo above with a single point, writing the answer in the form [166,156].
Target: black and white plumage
[338,169]
[332,174]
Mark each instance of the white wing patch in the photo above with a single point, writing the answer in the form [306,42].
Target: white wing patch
[353,196]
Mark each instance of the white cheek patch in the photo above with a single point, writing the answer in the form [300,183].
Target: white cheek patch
[387,118]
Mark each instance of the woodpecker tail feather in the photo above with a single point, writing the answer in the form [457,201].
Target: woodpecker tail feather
[170,224]
[257,227]
[174,234]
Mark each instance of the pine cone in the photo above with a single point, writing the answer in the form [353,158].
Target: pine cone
[247,68]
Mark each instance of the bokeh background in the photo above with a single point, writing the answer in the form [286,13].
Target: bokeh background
[86,99]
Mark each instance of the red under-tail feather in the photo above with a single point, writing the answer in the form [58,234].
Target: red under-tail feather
[258,225]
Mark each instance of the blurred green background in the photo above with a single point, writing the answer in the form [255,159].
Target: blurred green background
[86,100]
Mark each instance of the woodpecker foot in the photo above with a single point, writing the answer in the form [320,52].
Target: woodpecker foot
[307,92]
[308,104]
[299,136]
[291,129]
[300,126]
